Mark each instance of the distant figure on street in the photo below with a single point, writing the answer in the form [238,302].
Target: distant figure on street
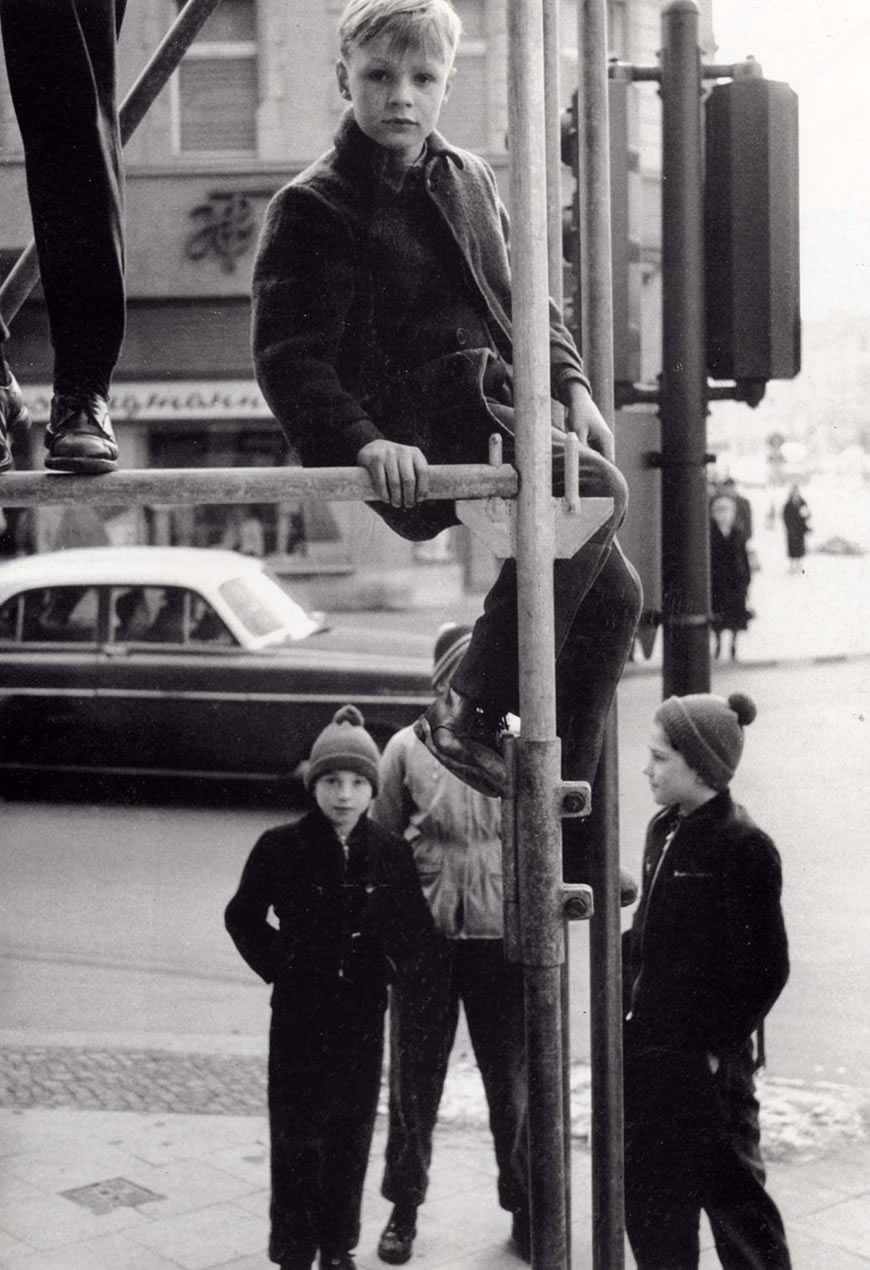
[60,59]
[704,961]
[730,573]
[796,517]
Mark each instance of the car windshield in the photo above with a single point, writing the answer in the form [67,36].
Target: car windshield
[263,606]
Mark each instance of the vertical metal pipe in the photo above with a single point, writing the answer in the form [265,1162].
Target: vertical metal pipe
[539,828]
[604,932]
[553,110]
[685,528]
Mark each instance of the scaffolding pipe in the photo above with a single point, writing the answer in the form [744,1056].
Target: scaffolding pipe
[605,973]
[168,487]
[555,273]
[24,275]
[538,824]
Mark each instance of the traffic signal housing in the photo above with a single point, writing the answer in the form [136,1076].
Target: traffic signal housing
[751,233]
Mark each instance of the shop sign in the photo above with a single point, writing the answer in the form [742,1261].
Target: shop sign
[165,400]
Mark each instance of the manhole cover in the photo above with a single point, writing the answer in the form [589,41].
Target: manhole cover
[115,1192]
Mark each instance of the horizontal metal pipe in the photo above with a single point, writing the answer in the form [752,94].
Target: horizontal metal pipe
[171,486]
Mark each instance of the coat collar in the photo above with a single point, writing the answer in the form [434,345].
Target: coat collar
[366,159]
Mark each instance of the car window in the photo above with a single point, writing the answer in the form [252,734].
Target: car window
[165,615]
[264,607]
[58,615]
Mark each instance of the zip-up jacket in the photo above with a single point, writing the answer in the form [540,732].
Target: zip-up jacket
[707,954]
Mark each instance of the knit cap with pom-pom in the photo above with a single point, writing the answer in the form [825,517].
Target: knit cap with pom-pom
[451,644]
[344,745]
[708,731]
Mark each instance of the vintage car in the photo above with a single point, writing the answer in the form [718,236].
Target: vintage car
[177,661]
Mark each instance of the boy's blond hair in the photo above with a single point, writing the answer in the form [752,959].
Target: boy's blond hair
[407,22]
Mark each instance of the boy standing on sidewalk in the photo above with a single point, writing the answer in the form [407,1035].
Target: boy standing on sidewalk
[383,336]
[350,916]
[705,960]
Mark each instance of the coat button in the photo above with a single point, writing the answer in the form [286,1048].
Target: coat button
[461,336]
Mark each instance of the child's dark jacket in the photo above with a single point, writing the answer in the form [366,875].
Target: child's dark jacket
[346,929]
[707,954]
[317,352]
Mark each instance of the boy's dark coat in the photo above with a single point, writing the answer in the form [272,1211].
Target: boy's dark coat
[707,954]
[315,344]
[343,936]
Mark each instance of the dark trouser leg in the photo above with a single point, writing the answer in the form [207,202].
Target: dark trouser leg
[349,1119]
[60,56]
[423,1018]
[662,1203]
[747,1225]
[489,670]
[293,1129]
[492,995]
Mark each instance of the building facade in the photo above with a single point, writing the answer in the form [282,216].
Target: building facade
[252,103]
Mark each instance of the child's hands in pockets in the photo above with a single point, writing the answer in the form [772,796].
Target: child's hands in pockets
[400,473]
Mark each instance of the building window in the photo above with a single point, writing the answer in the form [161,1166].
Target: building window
[217,84]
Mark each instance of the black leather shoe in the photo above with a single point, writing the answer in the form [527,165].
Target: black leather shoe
[463,736]
[79,436]
[397,1239]
[14,418]
[337,1261]
[521,1234]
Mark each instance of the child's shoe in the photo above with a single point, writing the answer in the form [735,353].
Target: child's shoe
[14,418]
[397,1240]
[464,736]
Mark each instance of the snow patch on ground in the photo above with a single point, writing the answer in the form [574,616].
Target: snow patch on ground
[799,1121]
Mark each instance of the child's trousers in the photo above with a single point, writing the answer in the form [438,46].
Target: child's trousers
[324,1080]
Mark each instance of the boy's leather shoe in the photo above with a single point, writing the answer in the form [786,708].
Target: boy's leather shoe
[397,1239]
[14,417]
[463,736]
[79,436]
[521,1234]
[337,1261]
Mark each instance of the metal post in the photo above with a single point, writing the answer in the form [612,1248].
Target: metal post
[685,527]
[24,275]
[553,107]
[538,823]
[605,1004]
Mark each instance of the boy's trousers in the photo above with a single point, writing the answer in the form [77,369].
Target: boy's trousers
[424,1014]
[324,1080]
[692,1143]
[60,58]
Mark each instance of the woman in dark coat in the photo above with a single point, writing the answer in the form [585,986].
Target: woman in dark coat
[730,573]
[796,516]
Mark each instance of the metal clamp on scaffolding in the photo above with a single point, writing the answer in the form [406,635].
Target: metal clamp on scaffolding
[575,519]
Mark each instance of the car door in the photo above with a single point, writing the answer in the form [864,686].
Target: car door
[49,659]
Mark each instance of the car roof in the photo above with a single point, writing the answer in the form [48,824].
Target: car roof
[132,565]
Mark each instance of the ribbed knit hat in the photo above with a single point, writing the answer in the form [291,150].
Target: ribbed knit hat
[344,745]
[450,644]
[708,732]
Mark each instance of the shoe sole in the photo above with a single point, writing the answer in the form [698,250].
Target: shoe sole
[470,775]
[397,1258]
[82,467]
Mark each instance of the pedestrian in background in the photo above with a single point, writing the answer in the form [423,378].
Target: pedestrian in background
[60,59]
[454,833]
[796,517]
[350,916]
[730,573]
[382,337]
[704,961]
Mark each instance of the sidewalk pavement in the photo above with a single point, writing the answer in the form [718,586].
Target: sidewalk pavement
[120,1156]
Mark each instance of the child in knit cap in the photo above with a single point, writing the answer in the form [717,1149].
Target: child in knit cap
[350,916]
[704,961]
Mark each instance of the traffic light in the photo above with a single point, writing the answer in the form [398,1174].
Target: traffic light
[751,233]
